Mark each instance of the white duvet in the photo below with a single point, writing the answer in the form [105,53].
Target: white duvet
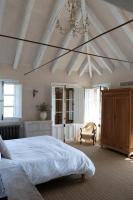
[44,158]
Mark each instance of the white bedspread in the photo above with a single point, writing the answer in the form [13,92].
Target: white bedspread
[44,158]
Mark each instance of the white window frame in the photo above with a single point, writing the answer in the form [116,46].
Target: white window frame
[17,100]
[9,95]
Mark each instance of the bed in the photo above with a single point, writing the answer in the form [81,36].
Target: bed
[44,158]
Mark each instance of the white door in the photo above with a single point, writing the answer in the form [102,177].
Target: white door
[67,111]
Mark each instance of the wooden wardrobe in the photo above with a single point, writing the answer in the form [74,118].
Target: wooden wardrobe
[117,120]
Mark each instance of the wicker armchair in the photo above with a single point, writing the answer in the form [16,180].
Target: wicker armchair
[88,132]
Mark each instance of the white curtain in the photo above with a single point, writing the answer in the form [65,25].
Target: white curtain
[79,105]
[93,108]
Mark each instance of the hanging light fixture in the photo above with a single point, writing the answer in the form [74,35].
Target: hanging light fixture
[73,23]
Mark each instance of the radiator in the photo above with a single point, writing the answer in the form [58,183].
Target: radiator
[10,132]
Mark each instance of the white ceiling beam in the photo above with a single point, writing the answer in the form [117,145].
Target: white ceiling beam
[2,10]
[48,32]
[84,67]
[71,64]
[107,38]
[97,50]
[74,59]
[105,62]
[116,12]
[88,56]
[84,15]
[23,31]
[65,43]
[96,66]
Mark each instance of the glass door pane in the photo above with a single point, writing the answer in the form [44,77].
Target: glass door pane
[58,105]
[58,118]
[69,105]
[58,93]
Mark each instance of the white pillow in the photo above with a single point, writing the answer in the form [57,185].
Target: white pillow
[4,150]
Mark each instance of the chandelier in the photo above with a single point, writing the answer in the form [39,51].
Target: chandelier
[74,23]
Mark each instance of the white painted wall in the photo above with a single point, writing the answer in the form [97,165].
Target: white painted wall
[119,75]
[39,80]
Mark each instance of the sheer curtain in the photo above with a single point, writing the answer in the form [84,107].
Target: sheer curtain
[93,108]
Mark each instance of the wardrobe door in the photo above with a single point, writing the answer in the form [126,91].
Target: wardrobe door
[107,129]
[122,122]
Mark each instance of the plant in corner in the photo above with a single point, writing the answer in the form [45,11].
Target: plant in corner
[42,108]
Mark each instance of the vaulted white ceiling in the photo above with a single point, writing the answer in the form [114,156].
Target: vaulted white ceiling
[36,20]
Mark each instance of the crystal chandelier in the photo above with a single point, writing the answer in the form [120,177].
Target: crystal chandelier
[77,26]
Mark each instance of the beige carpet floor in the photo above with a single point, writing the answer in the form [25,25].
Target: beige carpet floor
[113,179]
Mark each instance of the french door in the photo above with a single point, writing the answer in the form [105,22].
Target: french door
[67,103]
[64,105]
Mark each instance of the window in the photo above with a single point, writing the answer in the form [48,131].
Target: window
[10,100]
[63,105]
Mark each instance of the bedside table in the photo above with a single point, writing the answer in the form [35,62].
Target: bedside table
[3,195]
